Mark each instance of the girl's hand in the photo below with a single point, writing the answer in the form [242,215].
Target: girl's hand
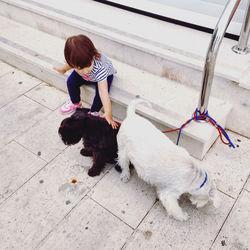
[60,70]
[110,121]
[63,69]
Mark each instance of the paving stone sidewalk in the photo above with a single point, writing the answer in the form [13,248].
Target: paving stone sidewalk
[40,207]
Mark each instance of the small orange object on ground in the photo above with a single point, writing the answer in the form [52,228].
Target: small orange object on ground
[73,180]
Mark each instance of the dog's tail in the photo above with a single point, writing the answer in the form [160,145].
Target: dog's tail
[132,106]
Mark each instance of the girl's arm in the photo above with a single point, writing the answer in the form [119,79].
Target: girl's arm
[104,95]
[62,69]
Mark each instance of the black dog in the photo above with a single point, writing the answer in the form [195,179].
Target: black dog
[99,139]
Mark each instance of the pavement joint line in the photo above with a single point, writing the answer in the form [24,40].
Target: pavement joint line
[134,230]
[244,186]
[8,72]
[73,207]
[39,83]
[21,145]
[58,223]
[238,134]
[21,186]
[111,212]
[235,201]
[32,151]
[36,122]
[40,103]
[106,172]
[226,194]
[15,98]
[156,200]
[20,135]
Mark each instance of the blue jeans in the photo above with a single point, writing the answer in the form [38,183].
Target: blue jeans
[75,81]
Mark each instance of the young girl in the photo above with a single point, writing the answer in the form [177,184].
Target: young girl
[90,67]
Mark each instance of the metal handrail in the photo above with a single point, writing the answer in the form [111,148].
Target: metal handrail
[208,71]
[241,47]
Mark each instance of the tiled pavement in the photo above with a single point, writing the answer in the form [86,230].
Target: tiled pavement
[40,207]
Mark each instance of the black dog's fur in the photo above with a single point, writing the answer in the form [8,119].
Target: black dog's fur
[99,139]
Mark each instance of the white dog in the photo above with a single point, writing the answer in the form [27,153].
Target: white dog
[161,163]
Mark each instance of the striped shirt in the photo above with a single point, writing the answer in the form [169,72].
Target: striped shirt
[102,68]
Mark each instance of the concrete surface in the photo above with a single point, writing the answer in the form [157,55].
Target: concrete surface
[129,36]
[40,207]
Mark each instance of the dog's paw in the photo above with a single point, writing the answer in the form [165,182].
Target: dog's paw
[181,217]
[124,177]
[86,152]
[118,168]
[93,172]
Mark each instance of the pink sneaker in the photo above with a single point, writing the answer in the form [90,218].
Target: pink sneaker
[69,107]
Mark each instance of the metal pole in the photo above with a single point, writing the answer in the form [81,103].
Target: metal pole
[241,47]
[218,34]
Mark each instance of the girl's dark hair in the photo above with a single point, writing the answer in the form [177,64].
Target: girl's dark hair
[79,51]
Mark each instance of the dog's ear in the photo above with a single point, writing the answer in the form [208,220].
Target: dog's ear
[80,113]
[83,110]
[71,130]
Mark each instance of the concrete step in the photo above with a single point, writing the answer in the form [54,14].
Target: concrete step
[158,47]
[173,104]
[125,34]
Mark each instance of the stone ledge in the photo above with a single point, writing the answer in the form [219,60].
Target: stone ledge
[172,103]
[130,32]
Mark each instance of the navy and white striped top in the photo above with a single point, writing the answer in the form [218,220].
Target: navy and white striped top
[102,68]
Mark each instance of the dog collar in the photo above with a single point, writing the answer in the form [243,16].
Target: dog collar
[204,180]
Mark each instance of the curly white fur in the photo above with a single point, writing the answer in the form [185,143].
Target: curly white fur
[161,163]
